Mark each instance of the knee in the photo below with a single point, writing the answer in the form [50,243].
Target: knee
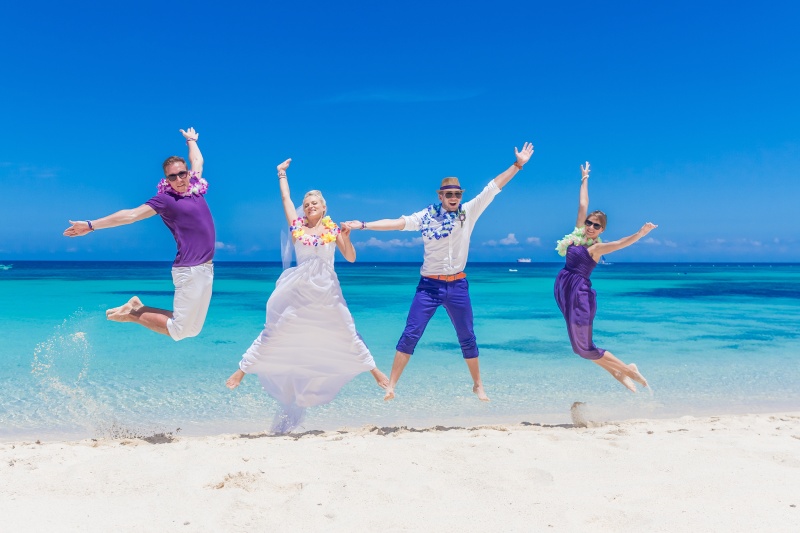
[588,353]
[406,344]
[179,332]
[469,348]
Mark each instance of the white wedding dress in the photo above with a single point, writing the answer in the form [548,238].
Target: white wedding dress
[309,348]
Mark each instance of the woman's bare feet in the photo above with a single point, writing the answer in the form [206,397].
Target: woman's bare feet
[636,376]
[380,378]
[478,390]
[123,312]
[234,380]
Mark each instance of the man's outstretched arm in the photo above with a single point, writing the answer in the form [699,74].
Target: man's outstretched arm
[80,228]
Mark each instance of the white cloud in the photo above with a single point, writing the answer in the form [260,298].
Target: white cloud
[536,241]
[392,243]
[651,240]
[671,244]
[506,241]
[511,239]
[219,245]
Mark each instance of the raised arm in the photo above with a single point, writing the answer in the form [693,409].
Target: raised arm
[195,157]
[80,228]
[288,206]
[583,200]
[344,244]
[603,248]
[386,224]
[522,157]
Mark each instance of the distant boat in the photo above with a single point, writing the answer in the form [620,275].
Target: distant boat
[603,261]
[524,260]
[512,270]
[6,267]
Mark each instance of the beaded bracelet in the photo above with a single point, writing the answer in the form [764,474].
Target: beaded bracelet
[363,225]
[91,228]
[516,164]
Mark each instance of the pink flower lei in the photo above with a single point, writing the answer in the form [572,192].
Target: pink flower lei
[197,185]
[298,229]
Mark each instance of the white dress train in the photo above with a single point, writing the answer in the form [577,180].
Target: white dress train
[309,348]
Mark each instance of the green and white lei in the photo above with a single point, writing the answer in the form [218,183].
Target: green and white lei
[576,238]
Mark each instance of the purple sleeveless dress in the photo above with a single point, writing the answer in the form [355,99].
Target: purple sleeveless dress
[576,299]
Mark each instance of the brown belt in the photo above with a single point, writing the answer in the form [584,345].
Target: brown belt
[460,275]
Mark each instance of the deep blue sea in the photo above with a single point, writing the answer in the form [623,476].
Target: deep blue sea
[710,338]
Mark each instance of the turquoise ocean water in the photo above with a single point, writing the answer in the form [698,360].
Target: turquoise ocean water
[710,339]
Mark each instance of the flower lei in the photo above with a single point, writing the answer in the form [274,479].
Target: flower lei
[576,238]
[197,186]
[298,229]
[435,213]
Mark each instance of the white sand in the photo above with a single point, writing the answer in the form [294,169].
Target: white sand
[728,473]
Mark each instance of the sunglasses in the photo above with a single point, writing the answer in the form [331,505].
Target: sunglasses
[182,174]
[595,225]
[456,194]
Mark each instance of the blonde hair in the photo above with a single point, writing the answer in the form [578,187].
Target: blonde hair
[318,194]
[597,214]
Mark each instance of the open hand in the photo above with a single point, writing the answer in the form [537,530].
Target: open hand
[525,154]
[78,229]
[283,166]
[190,134]
[647,228]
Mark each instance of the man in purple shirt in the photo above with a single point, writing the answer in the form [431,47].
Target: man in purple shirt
[184,210]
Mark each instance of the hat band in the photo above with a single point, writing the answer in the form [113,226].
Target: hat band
[445,187]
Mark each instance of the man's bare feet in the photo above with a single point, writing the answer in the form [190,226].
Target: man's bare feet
[478,390]
[123,312]
[234,380]
[380,378]
[637,377]
[389,394]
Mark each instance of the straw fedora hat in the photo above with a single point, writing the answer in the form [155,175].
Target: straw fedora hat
[450,184]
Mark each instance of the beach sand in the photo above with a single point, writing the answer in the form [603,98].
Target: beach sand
[726,473]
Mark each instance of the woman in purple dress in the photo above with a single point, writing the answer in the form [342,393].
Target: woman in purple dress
[583,248]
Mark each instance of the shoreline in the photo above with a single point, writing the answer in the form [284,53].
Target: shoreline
[719,473]
[597,414]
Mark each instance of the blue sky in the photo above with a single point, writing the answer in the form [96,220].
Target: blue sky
[687,112]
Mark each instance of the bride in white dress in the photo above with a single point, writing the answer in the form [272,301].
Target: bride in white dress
[309,348]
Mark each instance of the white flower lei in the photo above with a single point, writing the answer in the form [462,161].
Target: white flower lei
[447,218]
[576,238]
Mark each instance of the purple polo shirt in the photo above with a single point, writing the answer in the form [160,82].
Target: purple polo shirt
[189,220]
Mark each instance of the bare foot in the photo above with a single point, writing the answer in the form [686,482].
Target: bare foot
[234,380]
[123,312]
[389,394]
[628,382]
[380,378]
[478,390]
[637,377]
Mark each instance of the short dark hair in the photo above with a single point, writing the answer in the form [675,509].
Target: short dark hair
[173,159]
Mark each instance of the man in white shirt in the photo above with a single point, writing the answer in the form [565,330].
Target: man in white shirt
[446,229]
